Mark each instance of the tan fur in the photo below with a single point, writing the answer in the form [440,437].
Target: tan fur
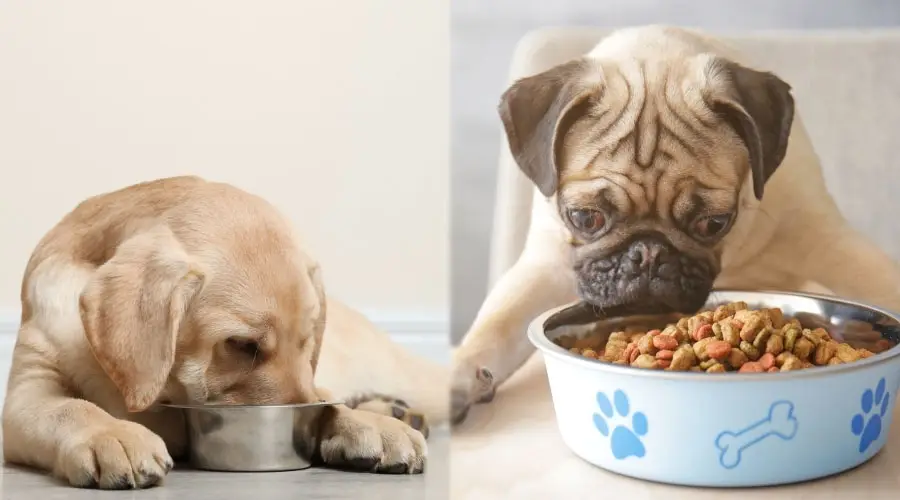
[156,293]
[643,131]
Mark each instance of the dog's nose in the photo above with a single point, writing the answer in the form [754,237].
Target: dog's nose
[646,253]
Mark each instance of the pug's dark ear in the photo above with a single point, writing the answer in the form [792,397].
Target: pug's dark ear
[760,108]
[535,110]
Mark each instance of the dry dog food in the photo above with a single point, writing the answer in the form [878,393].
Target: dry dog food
[732,338]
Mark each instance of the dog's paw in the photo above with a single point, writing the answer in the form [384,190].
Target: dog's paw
[392,407]
[471,385]
[367,441]
[120,455]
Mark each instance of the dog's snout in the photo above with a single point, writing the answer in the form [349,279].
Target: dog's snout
[648,270]
[647,253]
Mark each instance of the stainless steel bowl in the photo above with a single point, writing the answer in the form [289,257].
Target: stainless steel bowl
[252,438]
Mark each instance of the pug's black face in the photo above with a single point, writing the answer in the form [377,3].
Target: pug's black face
[648,275]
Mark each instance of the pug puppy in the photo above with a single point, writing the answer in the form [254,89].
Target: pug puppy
[663,166]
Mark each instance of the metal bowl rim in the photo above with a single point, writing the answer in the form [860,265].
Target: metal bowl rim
[538,338]
[226,406]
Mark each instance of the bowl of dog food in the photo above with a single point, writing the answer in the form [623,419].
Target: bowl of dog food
[759,388]
[252,438]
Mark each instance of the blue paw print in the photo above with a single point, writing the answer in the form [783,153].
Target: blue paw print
[867,424]
[626,440]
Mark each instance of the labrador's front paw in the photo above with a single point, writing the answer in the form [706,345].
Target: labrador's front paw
[366,441]
[121,455]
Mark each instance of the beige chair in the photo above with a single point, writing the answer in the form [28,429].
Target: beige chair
[847,88]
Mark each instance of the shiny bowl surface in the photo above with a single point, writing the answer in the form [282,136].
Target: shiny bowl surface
[252,438]
[729,429]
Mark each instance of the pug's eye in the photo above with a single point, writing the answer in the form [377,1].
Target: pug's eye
[711,226]
[586,220]
[243,345]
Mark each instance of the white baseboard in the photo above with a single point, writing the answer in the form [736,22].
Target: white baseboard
[425,335]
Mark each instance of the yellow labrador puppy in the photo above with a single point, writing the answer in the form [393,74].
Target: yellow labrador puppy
[186,291]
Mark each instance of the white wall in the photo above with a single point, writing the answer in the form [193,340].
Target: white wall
[336,111]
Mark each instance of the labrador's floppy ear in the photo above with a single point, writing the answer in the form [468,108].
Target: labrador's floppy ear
[132,310]
[315,278]
[534,111]
[760,108]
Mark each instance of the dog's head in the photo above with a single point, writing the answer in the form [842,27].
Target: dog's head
[218,304]
[654,166]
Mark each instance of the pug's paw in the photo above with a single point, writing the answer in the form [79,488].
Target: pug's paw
[471,385]
[367,441]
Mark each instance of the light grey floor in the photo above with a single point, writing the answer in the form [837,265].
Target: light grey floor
[484,34]
[311,484]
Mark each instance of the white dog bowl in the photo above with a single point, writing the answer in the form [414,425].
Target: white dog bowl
[728,429]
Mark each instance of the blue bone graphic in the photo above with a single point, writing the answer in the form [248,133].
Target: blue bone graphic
[780,422]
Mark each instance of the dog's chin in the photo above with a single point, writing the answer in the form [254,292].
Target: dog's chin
[645,296]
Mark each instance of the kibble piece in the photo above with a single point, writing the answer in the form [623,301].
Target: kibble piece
[822,333]
[792,363]
[634,354]
[718,349]
[773,369]
[730,333]
[847,354]
[808,335]
[824,352]
[664,342]
[835,361]
[775,344]
[751,328]
[716,368]
[776,317]
[616,350]
[767,361]
[751,367]
[749,350]
[664,363]
[736,358]
[683,359]
[645,361]
[864,353]
[781,358]
[803,348]
[695,322]
[696,369]
[645,345]
[704,365]
[665,354]
[700,348]
[790,338]
[722,312]
[762,338]
[704,331]
[589,353]
[717,330]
